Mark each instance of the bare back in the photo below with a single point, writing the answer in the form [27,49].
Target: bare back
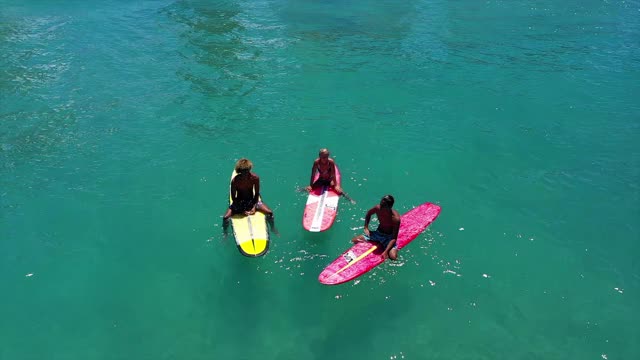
[245,187]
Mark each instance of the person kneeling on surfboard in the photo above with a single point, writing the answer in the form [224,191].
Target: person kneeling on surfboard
[326,169]
[387,232]
[245,194]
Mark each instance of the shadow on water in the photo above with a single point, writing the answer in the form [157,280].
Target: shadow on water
[385,25]
[344,319]
[220,64]
[236,304]
[319,243]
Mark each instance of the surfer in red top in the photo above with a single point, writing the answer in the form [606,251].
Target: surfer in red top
[245,194]
[387,232]
[325,167]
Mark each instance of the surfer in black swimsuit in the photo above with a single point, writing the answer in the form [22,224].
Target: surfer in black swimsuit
[245,194]
[387,232]
[326,169]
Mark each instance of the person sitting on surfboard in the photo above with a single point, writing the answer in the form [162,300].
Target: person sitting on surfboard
[245,193]
[326,169]
[387,232]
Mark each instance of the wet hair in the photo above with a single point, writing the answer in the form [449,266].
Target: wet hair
[243,165]
[387,201]
[323,151]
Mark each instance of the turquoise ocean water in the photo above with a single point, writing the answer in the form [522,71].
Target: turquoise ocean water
[120,122]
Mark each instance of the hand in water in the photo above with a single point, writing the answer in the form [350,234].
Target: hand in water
[225,228]
[348,198]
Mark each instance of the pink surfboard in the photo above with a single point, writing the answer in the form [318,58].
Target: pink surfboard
[364,256]
[321,208]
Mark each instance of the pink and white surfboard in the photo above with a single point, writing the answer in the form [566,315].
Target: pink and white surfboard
[321,208]
[364,256]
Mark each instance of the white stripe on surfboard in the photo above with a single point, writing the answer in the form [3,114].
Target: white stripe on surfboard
[317,218]
[251,232]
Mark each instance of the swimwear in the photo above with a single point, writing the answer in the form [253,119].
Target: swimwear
[241,206]
[323,174]
[321,182]
[381,238]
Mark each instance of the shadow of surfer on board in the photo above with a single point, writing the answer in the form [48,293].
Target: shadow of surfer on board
[245,196]
[386,234]
[325,168]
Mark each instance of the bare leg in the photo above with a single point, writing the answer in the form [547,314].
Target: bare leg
[338,189]
[263,208]
[359,238]
[225,222]
[393,253]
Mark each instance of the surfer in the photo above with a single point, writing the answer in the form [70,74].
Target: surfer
[387,232]
[245,194]
[325,167]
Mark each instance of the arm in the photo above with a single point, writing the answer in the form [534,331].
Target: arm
[367,218]
[336,182]
[332,174]
[314,168]
[256,193]
[234,192]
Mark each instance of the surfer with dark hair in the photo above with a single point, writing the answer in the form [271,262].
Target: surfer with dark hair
[387,232]
[245,194]
[325,167]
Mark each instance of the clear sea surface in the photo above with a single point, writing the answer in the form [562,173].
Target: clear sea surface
[121,121]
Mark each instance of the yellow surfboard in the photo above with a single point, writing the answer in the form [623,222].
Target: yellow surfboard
[251,232]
